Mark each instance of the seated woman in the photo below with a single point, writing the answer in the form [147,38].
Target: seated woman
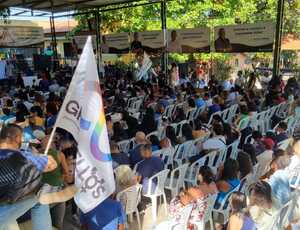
[187,133]
[206,184]
[200,130]
[228,180]
[230,133]
[244,113]
[239,218]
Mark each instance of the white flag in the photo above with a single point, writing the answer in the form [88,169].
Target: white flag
[83,116]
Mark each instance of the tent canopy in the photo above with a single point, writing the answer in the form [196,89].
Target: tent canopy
[62,5]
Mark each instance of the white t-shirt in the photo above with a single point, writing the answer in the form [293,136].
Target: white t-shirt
[174,47]
[217,142]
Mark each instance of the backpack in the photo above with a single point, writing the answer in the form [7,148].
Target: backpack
[19,177]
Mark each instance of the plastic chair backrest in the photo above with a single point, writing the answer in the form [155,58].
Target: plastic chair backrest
[211,117]
[282,214]
[180,171]
[166,154]
[155,133]
[210,201]
[233,149]
[225,114]
[124,146]
[192,172]
[130,198]
[159,180]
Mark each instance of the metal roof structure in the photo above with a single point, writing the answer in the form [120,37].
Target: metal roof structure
[62,5]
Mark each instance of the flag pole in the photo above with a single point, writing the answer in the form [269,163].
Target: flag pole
[50,140]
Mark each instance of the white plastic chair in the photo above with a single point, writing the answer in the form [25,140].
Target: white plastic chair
[10,120]
[233,149]
[176,183]
[124,146]
[224,207]
[169,111]
[210,201]
[135,106]
[211,117]
[159,180]
[173,224]
[130,198]
[284,144]
[166,154]
[193,170]
[190,114]
[155,133]
[281,217]
[184,151]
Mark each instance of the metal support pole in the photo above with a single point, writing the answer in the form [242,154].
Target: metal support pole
[163,15]
[54,42]
[98,38]
[278,36]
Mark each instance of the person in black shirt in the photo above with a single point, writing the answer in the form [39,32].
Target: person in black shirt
[136,45]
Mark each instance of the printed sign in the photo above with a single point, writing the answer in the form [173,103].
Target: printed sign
[189,40]
[20,36]
[258,37]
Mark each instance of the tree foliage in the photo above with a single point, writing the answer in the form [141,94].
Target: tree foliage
[195,13]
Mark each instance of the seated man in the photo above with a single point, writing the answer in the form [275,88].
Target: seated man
[281,133]
[135,154]
[108,215]
[118,158]
[148,167]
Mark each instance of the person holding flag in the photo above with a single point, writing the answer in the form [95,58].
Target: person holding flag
[82,115]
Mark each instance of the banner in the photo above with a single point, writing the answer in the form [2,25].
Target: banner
[115,43]
[150,41]
[258,37]
[20,36]
[189,40]
[83,116]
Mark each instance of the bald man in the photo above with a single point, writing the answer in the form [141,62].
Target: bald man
[135,154]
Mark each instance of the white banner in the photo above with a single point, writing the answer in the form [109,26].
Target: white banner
[257,37]
[83,116]
[19,36]
[152,41]
[188,40]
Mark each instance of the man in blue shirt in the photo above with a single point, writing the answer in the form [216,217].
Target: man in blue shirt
[147,168]
[108,215]
[199,101]
[11,141]
[135,154]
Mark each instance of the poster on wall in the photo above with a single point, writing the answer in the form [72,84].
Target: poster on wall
[115,43]
[189,40]
[80,40]
[149,41]
[110,43]
[20,36]
[258,37]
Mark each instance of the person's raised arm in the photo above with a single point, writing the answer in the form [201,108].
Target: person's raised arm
[51,164]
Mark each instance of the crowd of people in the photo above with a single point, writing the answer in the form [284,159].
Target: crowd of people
[28,115]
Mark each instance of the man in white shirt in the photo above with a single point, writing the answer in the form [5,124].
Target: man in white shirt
[174,45]
[217,141]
